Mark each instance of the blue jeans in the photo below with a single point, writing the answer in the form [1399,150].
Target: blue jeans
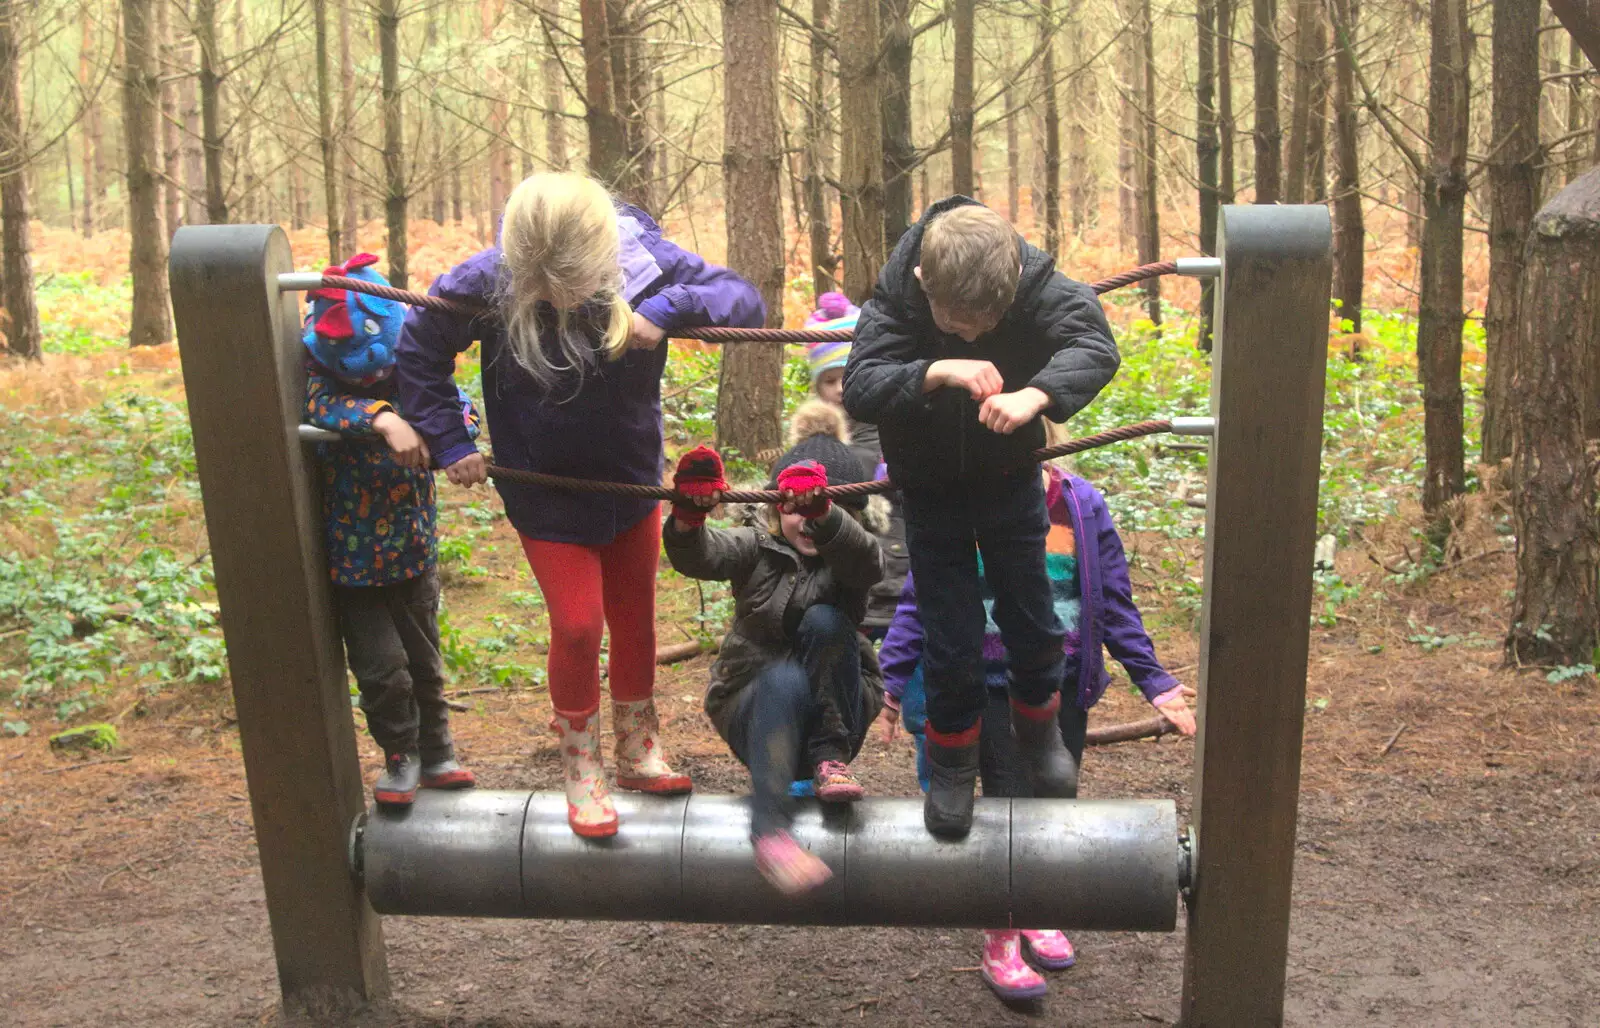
[797,712]
[946,530]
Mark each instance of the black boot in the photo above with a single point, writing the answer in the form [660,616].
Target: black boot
[1050,767]
[947,809]
[402,773]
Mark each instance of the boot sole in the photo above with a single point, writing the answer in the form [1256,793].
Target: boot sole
[394,799]
[453,780]
[604,830]
[666,785]
[1015,994]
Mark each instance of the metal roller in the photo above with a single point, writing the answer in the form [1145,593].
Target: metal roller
[1074,864]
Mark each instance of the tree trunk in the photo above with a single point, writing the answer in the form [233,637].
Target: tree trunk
[555,103]
[1556,611]
[1306,54]
[1082,111]
[325,139]
[205,32]
[1317,118]
[608,135]
[16,258]
[1227,128]
[194,170]
[171,153]
[147,258]
[349,215]
[1008,100]
[1205,148]
[961,178]
[499,115]
[1150,200]
[92,158]
[819,215]
[1440,313]
[1349,231]
[1269,133]
[899,156]
[1052,130]
[1130,82]
[861,139]
[750,392]
[1513,190]
[240,136]
[395,198]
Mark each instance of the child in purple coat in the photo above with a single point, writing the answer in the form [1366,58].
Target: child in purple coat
[582,293]
[1093,597]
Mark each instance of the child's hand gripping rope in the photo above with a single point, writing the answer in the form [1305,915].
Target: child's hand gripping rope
[699,480]
[801,486]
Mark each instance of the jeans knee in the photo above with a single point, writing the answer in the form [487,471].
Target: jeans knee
[825,621]
[787,685]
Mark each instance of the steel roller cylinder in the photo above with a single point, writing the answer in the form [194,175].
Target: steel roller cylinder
[1074,864]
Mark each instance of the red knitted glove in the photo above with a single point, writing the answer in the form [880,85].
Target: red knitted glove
[699,474]
[804,477]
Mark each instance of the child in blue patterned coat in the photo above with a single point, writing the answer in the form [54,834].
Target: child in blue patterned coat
[379,524]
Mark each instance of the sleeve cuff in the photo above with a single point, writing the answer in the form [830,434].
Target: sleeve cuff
[454,453]
[1162,691]
[824,529]
[659,310]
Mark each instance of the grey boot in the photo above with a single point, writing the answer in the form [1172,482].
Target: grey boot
[402,773]
[1050,767]
[947,809]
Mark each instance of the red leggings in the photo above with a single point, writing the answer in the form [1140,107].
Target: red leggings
[587,588]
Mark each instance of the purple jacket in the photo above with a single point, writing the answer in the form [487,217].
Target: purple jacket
[610,429]
[1109,617]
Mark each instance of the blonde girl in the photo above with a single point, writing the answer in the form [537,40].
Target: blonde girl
[584,290]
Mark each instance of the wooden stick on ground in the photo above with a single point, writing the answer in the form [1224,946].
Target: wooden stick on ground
[88,763]
[1154,727]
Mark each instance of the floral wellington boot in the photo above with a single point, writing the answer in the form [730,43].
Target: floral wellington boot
[640,765]
[590,811]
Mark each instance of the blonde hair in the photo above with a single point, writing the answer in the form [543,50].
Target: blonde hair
[559,244]
[970,261]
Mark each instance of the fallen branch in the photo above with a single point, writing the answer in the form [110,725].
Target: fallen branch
[453,705]
[1154,727]
[683,651]
[88,763]
[1392,740]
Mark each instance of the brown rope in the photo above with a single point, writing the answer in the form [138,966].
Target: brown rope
[710,334]
[836,492]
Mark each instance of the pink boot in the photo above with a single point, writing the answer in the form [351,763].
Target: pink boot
[787,867]
[1051,950]
[1004,969]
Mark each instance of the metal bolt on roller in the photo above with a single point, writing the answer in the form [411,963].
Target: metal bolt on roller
[1101,865]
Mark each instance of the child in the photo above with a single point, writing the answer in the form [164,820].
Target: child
[584,292]
[795,686]
[1093,598]
[970,335]
[378,519]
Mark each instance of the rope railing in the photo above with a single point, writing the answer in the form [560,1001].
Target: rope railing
[836,492]
[710,334]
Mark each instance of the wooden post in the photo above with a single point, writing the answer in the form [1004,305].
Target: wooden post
[243,370]
[1266,392]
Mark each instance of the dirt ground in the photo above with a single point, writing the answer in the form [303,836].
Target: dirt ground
[1446,874]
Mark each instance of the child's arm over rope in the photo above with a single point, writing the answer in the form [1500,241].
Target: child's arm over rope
[426,362]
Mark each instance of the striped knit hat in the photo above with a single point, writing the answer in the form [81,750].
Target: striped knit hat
[823,356]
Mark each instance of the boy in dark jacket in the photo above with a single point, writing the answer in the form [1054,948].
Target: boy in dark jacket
[970,335]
